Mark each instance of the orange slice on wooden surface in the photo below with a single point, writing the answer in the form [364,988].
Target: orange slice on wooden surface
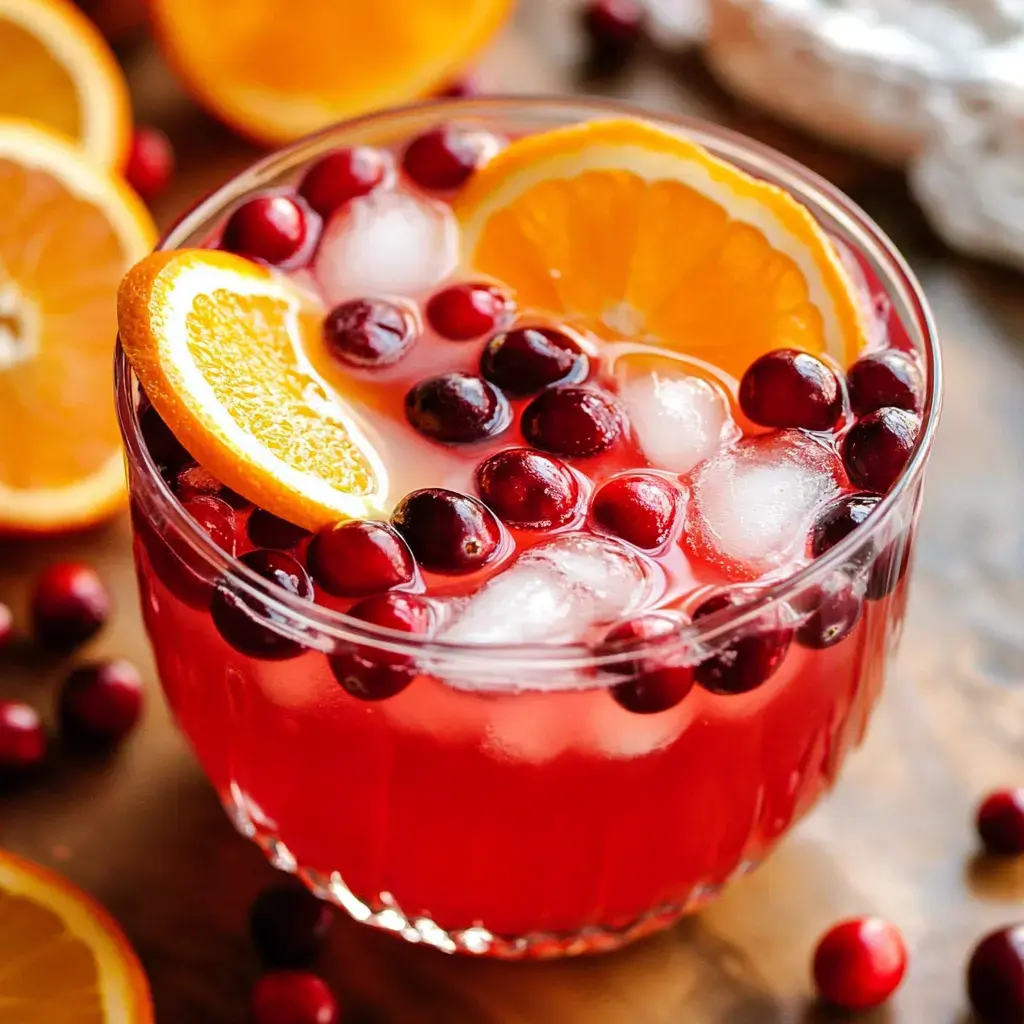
[63,960]
[70,230]
[636,233]
[220,346]
[59,71]
[279,69]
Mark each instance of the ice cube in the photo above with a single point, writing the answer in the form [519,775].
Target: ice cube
[679,419]
[386,243]
[751,506]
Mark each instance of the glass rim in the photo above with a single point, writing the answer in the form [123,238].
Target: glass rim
[323,628]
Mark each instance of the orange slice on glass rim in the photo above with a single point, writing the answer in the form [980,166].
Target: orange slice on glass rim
[638,234]
[63,960]
[220,347]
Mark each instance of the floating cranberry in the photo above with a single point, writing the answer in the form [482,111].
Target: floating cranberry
[448,532]
[750,659]
[101,703]
[613,28]
[572,421]
[22,738]
[886,378]
[6,625]
[271,228]
[193,482]
[246,621]
[289,925]
[456,408]
[150,162]
[526,359]
[442,159]
[341,176]
[878,447]
[70,604]
[657,680]
[891,564]
[859,963]
[790,388]
[639,508]
[359,557]
[368,333]
[995,977]
[1000,822]
[465,311]
[839,518]
[216,518]
[163,447]
[834,611]
[292,997]
[528,490]
[269,531]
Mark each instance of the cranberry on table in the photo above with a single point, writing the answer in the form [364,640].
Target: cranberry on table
[292,997]
[247,622]
[150,162]
[1000,822]
[448,532]
[101,703]
[834,610]
[341,176]
[359,557]
[995,977]
[572,421]
[639,508]
[528,490]
[456,408]
[613,28]
[216,518]
[859,963]
[194,481]
[464,311]
[22,737]
[442,159]
[790,388]
[526,359]
[886,378]
[271,228]
[289,925]
[657,680]
[269,531]
[878,447]
[70,604]
[368,333]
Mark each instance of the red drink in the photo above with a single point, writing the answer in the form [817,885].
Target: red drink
[602,709]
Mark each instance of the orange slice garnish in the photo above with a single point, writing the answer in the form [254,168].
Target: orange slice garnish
[59,71]
[279,69]
[63,960]
[220,346]
[636,233]
[70,232]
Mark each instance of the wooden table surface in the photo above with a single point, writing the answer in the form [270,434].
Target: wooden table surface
[145,833]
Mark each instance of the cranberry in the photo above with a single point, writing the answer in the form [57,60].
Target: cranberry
[448,532]
[878,447]
[834,609]
[749,660]
[790,388]
[887,378]
[6,625]
[163,447]
[150,162]
[460,88]
[465,311]
[613,28]
[528,490]
[572,421]
[101,703]
[292,997]
[659,679]
[193,481]
[342,175]
[891,564]
[368,333]
[368,673]
[70,604]
[359,557]
[995,976]
[526,359]
[269,531]
[246,622]
[217,518]
[839,518]
[442,159]
[1000,822]
[271,228]
[638,508]
[289,924]
[22,737]
[456,408]
[859,963]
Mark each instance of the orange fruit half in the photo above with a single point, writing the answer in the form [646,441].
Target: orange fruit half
[59,71]
[279,69]
[220,347]
[63,960]
[639,234]
[70,232]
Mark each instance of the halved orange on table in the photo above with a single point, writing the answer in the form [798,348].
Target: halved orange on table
[63,959]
